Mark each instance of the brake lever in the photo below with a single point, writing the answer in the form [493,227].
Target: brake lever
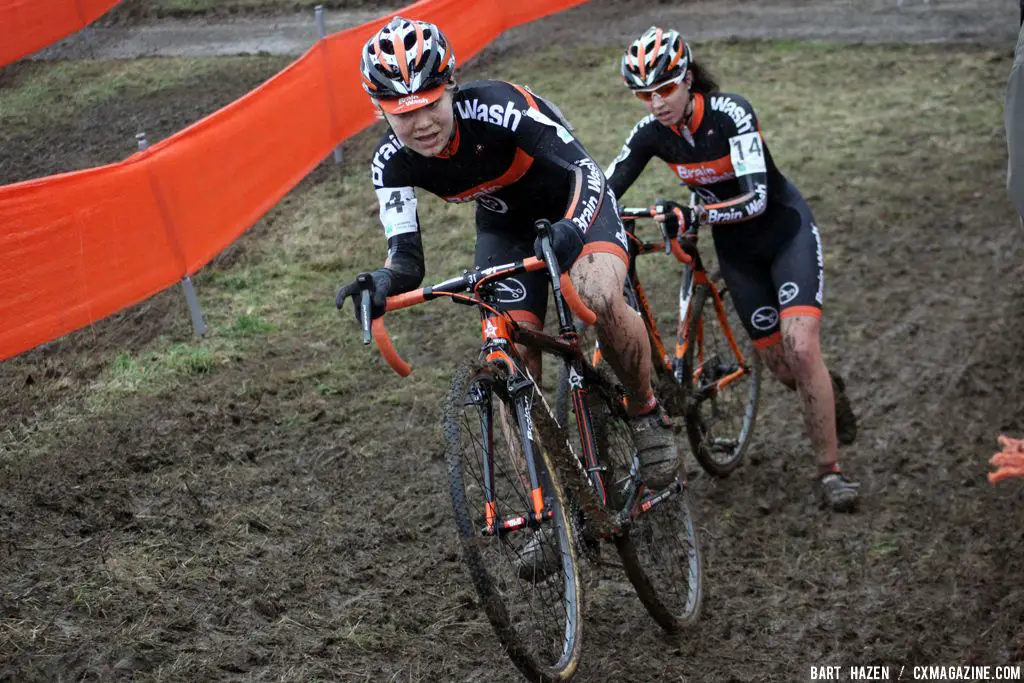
[365,282]
[659,208]
[544,232]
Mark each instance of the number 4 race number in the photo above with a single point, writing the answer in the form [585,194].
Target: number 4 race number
[397,210]
[395,202]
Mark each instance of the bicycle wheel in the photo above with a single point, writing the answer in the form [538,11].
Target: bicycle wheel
[719,420]
[535,614]
[659,548]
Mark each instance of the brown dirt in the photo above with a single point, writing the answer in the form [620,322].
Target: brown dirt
[247,527]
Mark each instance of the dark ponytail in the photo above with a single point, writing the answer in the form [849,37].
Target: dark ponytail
[703,81]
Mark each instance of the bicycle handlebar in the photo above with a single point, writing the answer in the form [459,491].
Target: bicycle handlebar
[627,212]
[671,245]
[387,349]
[467,282]
[572,297]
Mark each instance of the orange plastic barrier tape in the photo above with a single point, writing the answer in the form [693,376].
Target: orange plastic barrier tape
[30,25]
[78,247]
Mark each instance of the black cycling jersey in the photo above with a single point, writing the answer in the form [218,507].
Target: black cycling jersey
[511,152]
[772,260]
[719,155]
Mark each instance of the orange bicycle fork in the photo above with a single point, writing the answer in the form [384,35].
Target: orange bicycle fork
[724,378]
[500,334]
[742,369]
[497,339]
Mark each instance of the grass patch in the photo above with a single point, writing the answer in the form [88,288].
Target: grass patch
[43,93]
[250,326]
[156,371]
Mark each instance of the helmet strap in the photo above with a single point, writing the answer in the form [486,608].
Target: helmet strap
[687,113]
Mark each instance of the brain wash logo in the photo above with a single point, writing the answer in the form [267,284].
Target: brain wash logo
[411,99]
[765,318]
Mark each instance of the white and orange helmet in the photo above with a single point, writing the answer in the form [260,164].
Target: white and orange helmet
[654,58]
[406,65]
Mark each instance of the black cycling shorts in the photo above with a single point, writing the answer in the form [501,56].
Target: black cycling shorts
[774,269]
[501,239]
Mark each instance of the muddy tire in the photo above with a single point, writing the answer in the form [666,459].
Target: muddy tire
[719,426]
[537,617]
[660,550]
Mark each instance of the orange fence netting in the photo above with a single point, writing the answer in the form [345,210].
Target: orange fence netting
[29,25]
[77,247]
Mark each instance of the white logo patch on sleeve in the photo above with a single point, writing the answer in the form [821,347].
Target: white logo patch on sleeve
[747,153]
[541,118]
[397,210]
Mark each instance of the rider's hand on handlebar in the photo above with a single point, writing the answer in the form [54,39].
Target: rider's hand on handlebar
[675,216]
[380,286]
[566,242]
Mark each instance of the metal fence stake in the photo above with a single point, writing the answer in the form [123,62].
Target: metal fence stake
[198,324]
[321,29]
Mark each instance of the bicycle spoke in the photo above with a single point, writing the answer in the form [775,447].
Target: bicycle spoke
[664,543]
[526,576]
[721,417]
[659,549]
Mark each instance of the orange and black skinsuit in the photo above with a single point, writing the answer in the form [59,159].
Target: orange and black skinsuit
[513,154]
[768,245]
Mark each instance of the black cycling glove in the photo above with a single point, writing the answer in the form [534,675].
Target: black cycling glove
[566,242]
[677,216]
[381,285]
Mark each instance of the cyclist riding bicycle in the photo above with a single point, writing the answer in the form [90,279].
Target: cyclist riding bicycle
[768,246]
[511,152]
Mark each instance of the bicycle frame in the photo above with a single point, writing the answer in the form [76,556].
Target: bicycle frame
[500,335]
[694,274]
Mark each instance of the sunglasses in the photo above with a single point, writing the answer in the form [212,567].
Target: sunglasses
[663,91]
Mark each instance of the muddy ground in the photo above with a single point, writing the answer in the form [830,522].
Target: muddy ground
[250,527]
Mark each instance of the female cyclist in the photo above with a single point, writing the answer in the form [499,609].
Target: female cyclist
[768,246]
[511,152]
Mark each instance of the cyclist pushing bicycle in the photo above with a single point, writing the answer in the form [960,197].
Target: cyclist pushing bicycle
[768,246]
[513,153]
